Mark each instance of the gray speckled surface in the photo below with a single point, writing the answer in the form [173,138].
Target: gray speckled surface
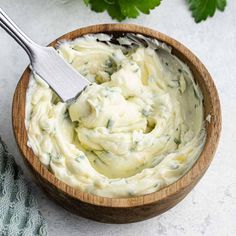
[210,209]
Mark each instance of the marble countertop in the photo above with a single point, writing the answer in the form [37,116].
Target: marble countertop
[210,209]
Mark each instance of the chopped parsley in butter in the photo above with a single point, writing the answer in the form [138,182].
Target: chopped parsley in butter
[136,129]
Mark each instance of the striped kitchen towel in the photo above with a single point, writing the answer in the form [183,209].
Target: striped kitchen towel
[19,214]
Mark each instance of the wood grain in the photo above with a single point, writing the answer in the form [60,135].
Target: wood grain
[123,210]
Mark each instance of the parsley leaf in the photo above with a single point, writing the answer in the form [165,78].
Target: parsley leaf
[132,8]
[111,6]
[202,9]
[122,9]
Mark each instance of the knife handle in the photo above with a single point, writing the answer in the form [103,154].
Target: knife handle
[21,38]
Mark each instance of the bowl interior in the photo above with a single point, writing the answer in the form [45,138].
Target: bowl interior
[211,106]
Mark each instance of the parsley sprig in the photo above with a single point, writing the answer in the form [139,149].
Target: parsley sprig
[201,9]
[122,9]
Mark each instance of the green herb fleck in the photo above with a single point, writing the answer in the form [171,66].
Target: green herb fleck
[71,62]
[43,130]
[54,131]
[168,138]
[156,185]
[57,157]
[103,162]
[108,63]
[50,156]
[145,112]
[76,123]
[177,141]
[174,83]
[134,146]
[110,66]
[174,166]
[196,95]
[54,158]
[130,193]
[110,123]
[98,158]
[79,158]
[31,115]
[66,114]
[132,149]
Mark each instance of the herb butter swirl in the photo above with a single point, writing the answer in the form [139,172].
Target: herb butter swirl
[136,129]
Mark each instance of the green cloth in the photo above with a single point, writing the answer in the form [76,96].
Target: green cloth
[19,214]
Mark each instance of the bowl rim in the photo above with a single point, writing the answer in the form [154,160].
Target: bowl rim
[183,183]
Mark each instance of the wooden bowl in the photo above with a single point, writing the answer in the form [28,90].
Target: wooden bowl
[132,209]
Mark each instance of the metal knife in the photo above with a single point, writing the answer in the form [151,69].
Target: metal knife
[47,63]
